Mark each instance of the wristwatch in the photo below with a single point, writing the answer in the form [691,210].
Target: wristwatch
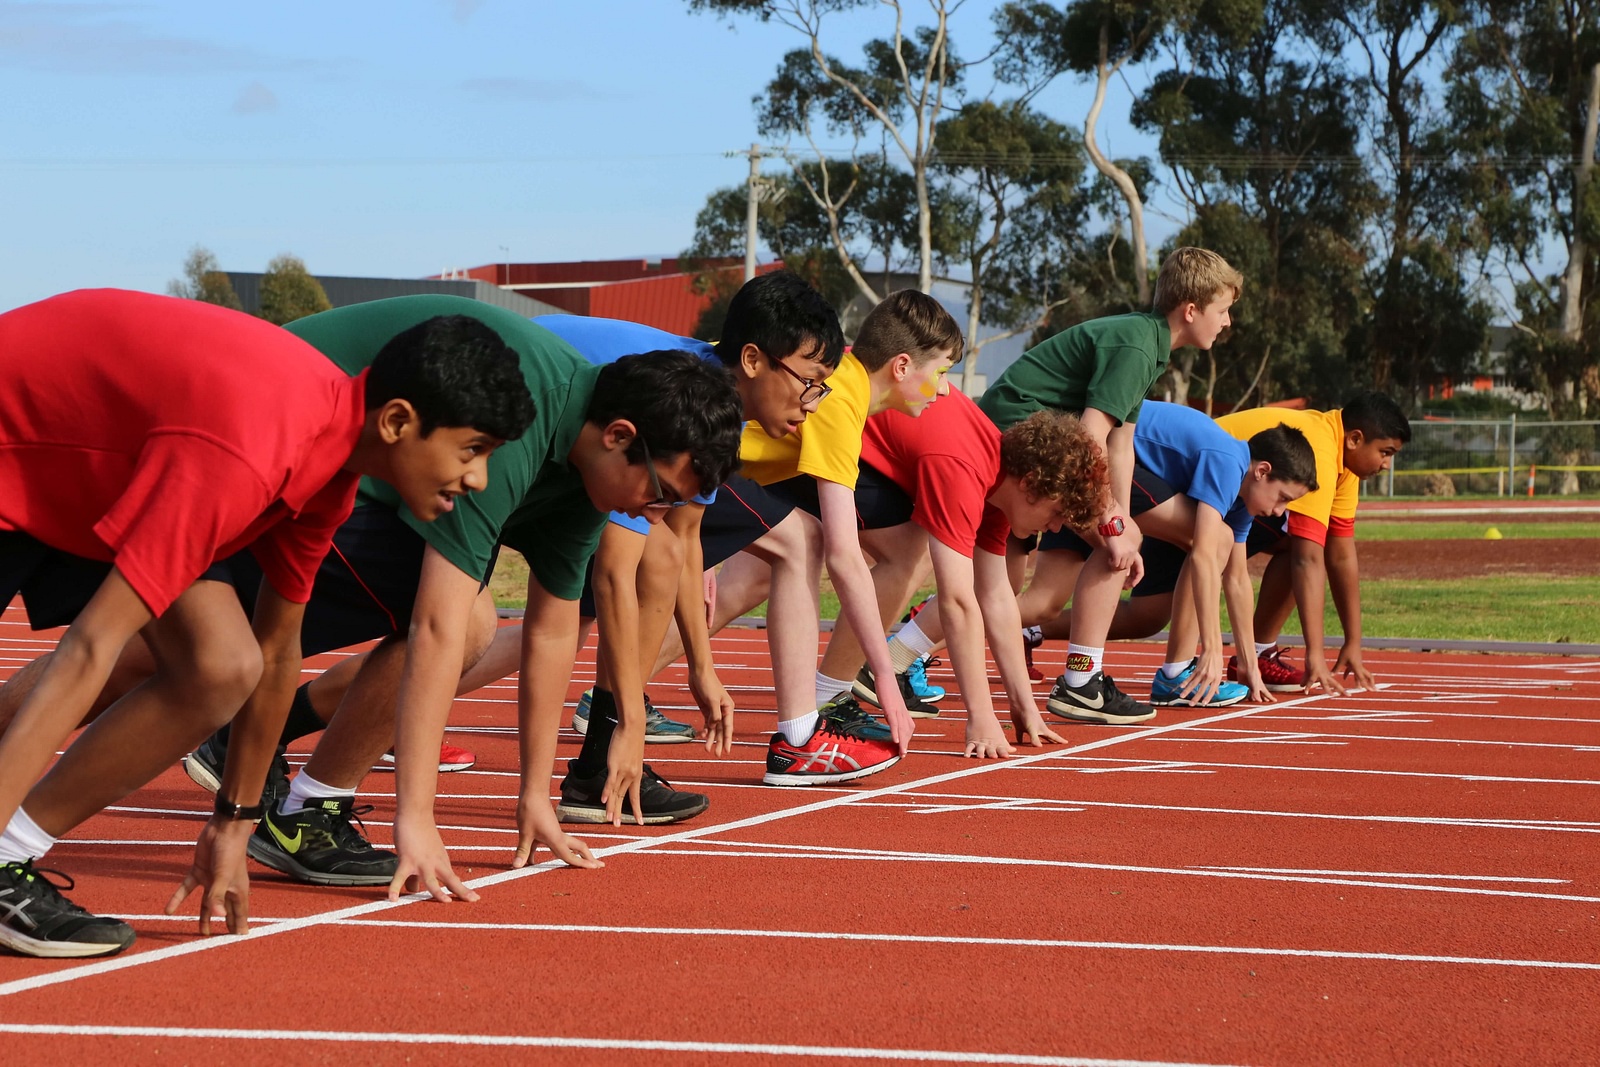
[1112,528]
[227,809]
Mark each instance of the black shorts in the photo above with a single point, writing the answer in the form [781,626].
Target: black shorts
[1162,562]
[55,585]
[1266,531]
[365,588]
[1148,490]
[742,514]
[880,502]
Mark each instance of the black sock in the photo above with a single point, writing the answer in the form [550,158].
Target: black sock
[597,742]
[302,720]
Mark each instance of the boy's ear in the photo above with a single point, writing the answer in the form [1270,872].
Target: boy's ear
[1354,439]
[750,360]
[901,364]
[618,433]
[395,419]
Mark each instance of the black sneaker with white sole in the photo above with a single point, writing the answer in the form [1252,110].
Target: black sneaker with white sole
[865,688]
[846,716]
[1097,700]
[580,800]
[36,920]
[204,767]
[321,845]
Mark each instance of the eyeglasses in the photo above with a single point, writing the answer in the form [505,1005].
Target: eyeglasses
[813,391]
[661,500]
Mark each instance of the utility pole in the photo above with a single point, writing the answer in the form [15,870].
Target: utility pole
[752,204]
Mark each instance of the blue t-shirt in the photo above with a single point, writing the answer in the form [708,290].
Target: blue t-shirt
[1196,457]
[608,340]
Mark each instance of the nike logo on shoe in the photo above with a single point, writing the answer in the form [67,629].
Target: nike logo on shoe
[290,844]
[1096,704]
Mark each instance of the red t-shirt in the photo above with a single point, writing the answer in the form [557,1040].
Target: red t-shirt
[948,462]
[163,434]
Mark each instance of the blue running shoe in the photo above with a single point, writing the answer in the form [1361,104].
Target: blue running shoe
[658,729]
[917,675]
[1164,691]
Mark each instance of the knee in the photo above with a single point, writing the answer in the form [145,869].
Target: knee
[222,677]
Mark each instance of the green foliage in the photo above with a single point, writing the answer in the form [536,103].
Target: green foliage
[289,292]
[204,280]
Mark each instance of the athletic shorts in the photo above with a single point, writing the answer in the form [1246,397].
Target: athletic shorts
[55,585]
[880,502]
[1265,533]
[742,514]
[365,589]
[1148,490]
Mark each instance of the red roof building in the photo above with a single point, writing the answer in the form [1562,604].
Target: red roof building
[656,292]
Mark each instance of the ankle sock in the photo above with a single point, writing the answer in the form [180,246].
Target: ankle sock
[1263,649]
[1033,635]
[799,731]
[828,688]
[23,840]
[304,789]
[597,742]
[1172,670]
[1083,663]
[907,646]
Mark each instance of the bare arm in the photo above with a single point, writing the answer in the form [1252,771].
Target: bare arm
[690,612]
[963,628]
[858,601]
[1002,623]
[1241,612]
[1116,442]
[1212,536]
[1344,579]
[1309,578]
[616,603]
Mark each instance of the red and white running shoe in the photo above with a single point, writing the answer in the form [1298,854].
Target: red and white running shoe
[829,756]
[1279,677]
[451,758]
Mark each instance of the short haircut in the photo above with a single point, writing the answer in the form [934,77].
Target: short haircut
[1054,457]
[1291,455]
[1194,276]
[906,321]
[679,403]
[781,314]
[1377,416]
[456,371]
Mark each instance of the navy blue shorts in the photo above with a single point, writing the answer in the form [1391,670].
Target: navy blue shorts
[742,514]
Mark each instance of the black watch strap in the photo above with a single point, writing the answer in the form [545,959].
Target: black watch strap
[227,809]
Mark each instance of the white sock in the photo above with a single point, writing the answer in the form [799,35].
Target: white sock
[1032,634]
[799,731]
[909,645]
[1172,670]
[23,840]
[305,789]
[1263,649]
[828,688]
[1083,663]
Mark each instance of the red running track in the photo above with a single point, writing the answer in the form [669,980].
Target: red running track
[1407,876]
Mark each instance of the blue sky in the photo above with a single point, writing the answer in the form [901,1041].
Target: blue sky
[390,139]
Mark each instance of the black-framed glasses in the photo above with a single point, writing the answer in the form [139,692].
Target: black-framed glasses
[813,391]
[661,500]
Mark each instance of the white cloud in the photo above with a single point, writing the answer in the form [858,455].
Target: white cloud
[462,10]
[255,99]
[102,39]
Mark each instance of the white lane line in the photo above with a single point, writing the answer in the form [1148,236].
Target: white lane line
[1276,736]
[729,1048]
[1335,770]
[1114,737]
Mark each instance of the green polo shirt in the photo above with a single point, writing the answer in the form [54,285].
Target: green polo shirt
[1107,364]
[535,500]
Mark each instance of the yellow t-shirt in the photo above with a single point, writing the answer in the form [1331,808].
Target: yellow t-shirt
[1333,505]
[827,445]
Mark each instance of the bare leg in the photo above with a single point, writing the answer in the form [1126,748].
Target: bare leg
[133,667]
[903,561]
[1276,599]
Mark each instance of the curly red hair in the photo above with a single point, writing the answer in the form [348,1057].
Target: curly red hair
[1055,458]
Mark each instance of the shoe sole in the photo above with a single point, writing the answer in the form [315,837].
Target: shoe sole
[585,813]
[200,774]
[771,778]
[581,728]
[387,764]
[1184,702]
[284,863]
[24,945]
[1081,714]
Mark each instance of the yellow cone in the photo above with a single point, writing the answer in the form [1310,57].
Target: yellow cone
[1492,534]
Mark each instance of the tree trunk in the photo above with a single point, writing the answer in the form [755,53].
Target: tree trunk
[1578,252]
[1118,176]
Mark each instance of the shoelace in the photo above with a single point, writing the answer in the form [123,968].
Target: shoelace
[345,821]
[33,878]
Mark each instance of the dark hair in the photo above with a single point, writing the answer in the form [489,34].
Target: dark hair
[906,321]
[455,371]
[679,403]
[1377,417]
[1291,455]
[781,314]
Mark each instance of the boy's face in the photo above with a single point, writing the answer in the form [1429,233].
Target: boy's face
[778,394]
[1364,458]
[1207,322]
[1030,514]
[430,472]
[1264,495]
[916,385]
[648,489]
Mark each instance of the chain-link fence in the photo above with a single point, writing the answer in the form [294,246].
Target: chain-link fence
[1505,457]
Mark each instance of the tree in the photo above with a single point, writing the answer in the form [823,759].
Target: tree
[289,292]
[898,92]
[204,280]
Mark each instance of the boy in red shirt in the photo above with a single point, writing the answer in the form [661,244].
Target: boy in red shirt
[950,484]
[182,433]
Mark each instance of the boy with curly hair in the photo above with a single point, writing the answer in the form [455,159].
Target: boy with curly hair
[951,485]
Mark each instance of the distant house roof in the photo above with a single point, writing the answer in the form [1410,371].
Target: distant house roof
[345,291]
[657,292]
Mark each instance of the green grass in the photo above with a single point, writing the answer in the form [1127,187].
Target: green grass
[1368,530]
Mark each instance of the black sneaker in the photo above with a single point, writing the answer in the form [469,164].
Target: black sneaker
[580,800]
[845,715]
[204,767]
[865,688]
[36,920]
[1097,700]
[320,845]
